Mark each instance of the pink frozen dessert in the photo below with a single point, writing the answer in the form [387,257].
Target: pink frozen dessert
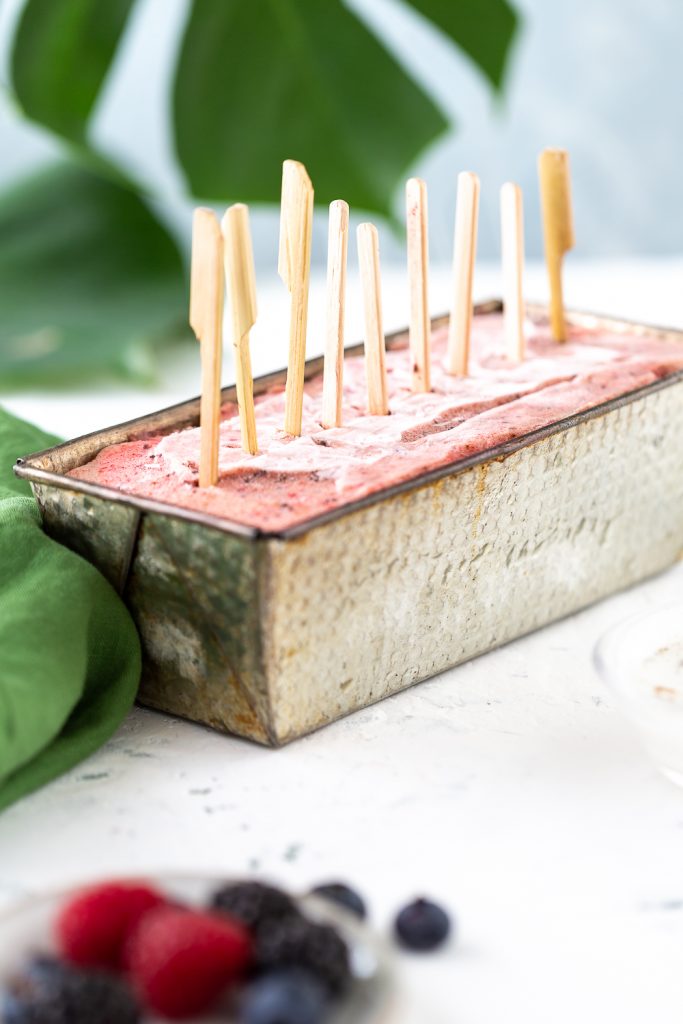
[293,479]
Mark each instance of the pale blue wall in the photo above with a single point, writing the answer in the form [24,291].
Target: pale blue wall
[601,77]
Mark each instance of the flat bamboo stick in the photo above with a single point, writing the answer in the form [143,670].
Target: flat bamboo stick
[558,228]
[512,236]
[241,283]
[465,248]
[418,274]
[333,370]
[294,265]
[368,256]
[206,320]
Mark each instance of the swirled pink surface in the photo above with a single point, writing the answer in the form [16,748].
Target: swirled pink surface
[293,479]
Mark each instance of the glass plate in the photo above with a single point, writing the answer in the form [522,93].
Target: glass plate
[641,660]
[25,930]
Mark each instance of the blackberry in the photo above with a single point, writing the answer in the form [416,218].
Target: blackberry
[422,926]
[297,942]
[50,992]
[344,896]
[254,904]
[292,996]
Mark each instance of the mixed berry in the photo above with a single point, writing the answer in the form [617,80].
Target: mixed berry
[181,961]
[92,927]
[126,950]
[344,896]
[292,996]
[256,905]
[422,926]
[51,991]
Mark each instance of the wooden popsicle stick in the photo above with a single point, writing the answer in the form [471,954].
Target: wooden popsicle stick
[333,371]
[418,274]
[558,228]
[294,265]
[465,248]
[368,256]
[512,236]
[241,283]
[206,320]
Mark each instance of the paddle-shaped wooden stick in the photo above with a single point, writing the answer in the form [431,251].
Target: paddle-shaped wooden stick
[512,236]
[465,248]
[333,370]
[558,228]
[418,273]
[241,282]
[206,320]
[368,256]
[294,265]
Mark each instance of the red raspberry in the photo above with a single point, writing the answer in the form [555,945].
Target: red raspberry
[180,961]
[93,925]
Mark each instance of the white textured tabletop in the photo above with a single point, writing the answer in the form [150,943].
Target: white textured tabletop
[510,788]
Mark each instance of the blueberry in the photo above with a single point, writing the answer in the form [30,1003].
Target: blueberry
[11,1010]
[16,1003]
[344,896]
[48,991]
[285,997]
[422,926]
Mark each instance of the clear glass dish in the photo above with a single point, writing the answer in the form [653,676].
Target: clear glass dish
[641,660]
[25,931]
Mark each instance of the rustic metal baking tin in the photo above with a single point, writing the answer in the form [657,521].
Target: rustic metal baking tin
[271,635]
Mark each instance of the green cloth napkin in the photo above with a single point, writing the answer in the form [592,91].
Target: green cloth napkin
[69,652]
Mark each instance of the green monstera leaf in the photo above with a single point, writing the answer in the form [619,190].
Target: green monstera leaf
[90,281]
[262,81]
[483,29]
[62,52]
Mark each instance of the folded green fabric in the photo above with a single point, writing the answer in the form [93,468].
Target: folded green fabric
[69,652]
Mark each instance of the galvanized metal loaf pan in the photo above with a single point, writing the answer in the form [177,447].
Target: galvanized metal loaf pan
[271,636]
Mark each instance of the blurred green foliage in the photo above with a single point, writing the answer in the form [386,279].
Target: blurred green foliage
[90,281]
[256,81]
[62,52]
